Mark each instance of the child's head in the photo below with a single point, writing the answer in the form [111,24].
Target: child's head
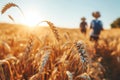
[96,14]
[83,18]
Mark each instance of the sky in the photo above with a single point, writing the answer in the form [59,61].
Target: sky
[63,13]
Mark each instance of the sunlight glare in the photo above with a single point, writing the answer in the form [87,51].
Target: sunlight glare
[32,17]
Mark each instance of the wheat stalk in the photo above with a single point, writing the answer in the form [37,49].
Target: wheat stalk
[8,74]
[70,75]
[44,60]
[2,76]
[8,6]
[42,64]
[67,36]
[11,18]
[6,47]
[53,75]
[54,30]
[84,76]
[35,77]
[84,58]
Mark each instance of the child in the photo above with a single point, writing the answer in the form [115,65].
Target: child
[96,26]
[83,25]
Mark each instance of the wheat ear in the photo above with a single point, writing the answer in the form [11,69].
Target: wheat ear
[54,30]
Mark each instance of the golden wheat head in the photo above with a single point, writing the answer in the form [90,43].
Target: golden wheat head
[54,30]
[8,6]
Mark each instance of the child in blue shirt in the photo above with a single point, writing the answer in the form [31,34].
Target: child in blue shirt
[96,26]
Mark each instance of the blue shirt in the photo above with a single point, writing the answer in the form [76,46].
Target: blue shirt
[97,26]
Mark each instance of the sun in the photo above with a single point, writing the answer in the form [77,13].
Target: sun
[32,17]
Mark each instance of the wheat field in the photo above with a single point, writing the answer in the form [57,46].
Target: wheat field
[52,53]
